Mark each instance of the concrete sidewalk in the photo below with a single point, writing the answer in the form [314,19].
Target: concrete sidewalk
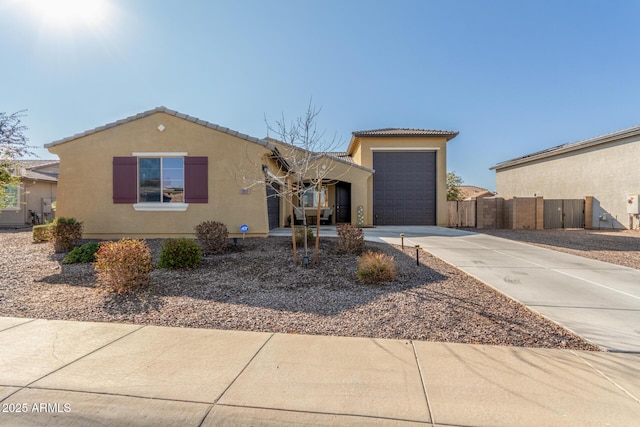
[61,373]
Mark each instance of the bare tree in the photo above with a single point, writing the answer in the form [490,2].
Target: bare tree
[13,145]
[304,168]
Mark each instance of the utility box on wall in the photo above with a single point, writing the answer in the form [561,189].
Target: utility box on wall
[633,207]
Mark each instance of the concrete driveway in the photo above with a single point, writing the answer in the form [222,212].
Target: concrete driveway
[596,300]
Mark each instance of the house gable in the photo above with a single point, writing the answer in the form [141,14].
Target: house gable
[384,147]
[601,168]
[92,172]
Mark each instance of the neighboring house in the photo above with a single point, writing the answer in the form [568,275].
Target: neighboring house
[160,173]
[35,194]
[604,168]
[469,192]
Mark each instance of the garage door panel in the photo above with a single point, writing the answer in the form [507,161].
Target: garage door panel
[404,189]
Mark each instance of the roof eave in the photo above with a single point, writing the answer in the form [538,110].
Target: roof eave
[170,112]
[563,149]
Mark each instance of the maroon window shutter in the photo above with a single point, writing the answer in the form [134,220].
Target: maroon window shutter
[125,177]
[196,180]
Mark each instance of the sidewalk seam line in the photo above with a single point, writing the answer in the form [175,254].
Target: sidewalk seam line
[85,355]
[424,386]
[19,324]
[105,393]
[606,377]
[340,414]
[243,369]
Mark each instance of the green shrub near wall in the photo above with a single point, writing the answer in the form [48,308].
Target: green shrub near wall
[66,234]
[179,253]
[43,233]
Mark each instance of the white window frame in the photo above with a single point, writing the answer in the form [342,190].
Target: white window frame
[158,206]
[15,208]
[317,197]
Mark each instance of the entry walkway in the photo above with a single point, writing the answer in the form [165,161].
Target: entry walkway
[596,300]
[62,373]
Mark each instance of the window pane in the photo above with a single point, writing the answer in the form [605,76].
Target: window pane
[149,180]
[173,180]
[9,198]
[307,199]
[310,198]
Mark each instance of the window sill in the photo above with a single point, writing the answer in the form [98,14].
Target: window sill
[161,207]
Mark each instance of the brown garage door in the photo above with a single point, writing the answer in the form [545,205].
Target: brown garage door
[404,188]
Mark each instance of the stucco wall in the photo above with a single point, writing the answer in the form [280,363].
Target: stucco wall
[334,171]
[608,172]
[31,195]
[367,145]
[85,180]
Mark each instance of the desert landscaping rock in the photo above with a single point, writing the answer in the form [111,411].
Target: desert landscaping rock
[256,287]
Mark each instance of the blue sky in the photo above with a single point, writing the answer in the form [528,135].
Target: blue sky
[512,77]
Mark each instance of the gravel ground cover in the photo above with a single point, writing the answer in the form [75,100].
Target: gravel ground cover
[617,247]
[256,287]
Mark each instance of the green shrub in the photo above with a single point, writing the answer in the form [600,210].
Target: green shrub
[300,236]
[375,267]
[66,234]
[43,233]
[179,253]
[350,239]
[213,236]
[123,266]
[84,253]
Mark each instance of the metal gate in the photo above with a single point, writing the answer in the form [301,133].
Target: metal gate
[564,213]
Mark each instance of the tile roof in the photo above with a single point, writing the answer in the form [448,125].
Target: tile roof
[565,148]
[165,110]
[29,169]
[33,164]
[342,155]
[406,132]
[471,191]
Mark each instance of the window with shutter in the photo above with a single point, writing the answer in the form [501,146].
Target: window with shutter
[151,181]
[196,181]
[125,188]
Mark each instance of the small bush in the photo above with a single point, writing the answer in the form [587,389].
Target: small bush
[213,236]
[300,236]
[66,234]
[179,253]
[123,266]
[350,239]
[43,233]
[84,253]
[376,267]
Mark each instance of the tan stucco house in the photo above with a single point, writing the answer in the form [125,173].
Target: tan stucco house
[602,169]
[31,201]
[160,173]
[471,192]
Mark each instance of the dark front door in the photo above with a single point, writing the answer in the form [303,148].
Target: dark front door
[343,202]
[273,206]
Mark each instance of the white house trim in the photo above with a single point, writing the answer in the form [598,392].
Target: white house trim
[405,148]
[160,154]
[161,207]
